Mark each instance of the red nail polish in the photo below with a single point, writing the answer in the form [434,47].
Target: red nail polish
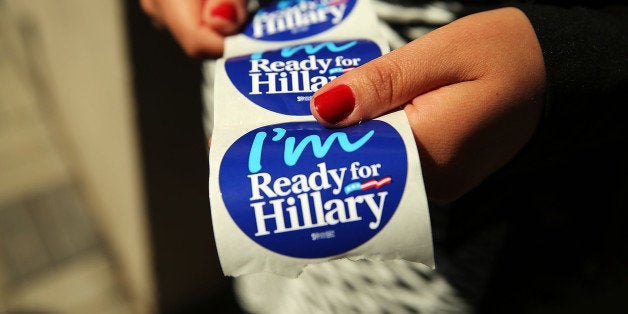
[225,10]
[335,104]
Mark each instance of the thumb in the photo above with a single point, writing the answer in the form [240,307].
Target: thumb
[200,26]
[224,16]
[394,79]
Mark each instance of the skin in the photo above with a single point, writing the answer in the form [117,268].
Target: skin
[472,90]
[199,33]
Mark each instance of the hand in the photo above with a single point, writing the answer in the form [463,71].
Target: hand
[472,91]
[199,26]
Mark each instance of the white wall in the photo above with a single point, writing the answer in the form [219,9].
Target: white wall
[76,51]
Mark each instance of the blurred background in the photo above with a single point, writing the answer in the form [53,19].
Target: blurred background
[103,165]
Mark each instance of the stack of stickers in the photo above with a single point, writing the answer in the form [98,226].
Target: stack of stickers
[286,192]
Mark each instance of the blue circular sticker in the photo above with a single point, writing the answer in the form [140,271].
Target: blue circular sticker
[284,80]
[295,19]
[302,190]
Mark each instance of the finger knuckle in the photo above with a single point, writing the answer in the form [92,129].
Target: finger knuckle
[193,51]
[385,80]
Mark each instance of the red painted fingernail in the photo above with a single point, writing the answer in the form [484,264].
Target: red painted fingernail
[225,10]
[335,104]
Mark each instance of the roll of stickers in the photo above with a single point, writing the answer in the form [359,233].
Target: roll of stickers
[291,22]
[286,192]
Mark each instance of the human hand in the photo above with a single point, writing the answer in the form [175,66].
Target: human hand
[199,26]
[472,91]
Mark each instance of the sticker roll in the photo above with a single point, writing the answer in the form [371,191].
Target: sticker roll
[286,192]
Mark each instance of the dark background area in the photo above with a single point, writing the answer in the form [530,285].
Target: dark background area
[167,87]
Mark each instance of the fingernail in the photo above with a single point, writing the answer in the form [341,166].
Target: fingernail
[335,104]
[225,10]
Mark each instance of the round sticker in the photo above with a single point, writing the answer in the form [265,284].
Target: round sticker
[302,190]
[284,80]
[296,19]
